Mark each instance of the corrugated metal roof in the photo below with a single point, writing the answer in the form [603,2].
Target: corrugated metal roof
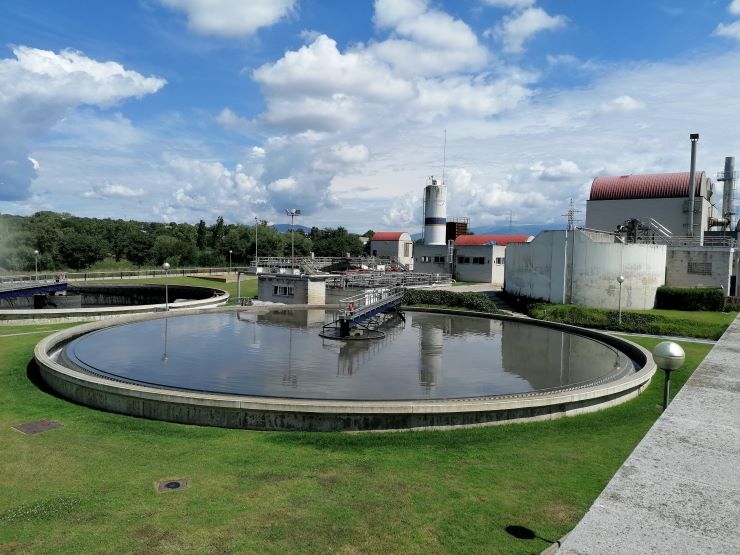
[655,185]
[502,240]
[387,235]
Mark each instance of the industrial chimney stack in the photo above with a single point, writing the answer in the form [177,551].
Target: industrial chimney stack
[435,212]
[694,137]
[728,191]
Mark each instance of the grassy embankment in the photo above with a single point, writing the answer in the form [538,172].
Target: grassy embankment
[88,487]
[682,323]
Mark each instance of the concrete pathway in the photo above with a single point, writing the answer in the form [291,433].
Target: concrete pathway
[679,491]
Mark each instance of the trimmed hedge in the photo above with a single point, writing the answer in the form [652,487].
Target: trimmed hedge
[690,298]
[471,301]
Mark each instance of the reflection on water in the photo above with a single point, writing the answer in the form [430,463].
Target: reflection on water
[280,354]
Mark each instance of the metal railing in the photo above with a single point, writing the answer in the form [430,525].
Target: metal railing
[124,274]
[369,280]
[28,284]
[359,305]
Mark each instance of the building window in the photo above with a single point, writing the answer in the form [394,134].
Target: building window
[407,249]
[463,260]
[282,290]
[426,258]
[500,260]
[479,260]
[701,268]
[439,259]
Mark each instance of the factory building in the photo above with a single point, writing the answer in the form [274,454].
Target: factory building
[581,267]
[701,240]
[659,201]
[475,258]
[395,245]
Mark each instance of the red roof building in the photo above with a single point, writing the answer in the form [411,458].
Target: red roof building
[656,185]
[482,240]
[387,235]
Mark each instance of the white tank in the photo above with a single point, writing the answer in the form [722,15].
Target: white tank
[435,212]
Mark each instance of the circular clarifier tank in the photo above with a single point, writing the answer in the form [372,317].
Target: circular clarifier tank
[272,370]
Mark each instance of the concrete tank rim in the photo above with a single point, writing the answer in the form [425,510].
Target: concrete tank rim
[623,385]
[72,314]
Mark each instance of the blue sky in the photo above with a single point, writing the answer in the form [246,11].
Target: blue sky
[180,110]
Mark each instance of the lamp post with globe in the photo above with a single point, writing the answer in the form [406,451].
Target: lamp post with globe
[669,356]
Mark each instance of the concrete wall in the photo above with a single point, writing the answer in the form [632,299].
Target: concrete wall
[292,289]
[580,268]
[606,215]
[701,267]
[431,251]
[537,269]
[488,272]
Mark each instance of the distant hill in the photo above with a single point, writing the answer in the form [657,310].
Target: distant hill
[282,228]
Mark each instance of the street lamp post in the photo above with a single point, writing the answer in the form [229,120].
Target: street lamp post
[36,258]
[669,356]
[256,260]
[166,267]
[293,212]
[230,251]
[620,280]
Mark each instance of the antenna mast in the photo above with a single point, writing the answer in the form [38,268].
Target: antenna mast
[444,158]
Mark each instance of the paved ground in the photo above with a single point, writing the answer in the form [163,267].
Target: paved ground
[679,491]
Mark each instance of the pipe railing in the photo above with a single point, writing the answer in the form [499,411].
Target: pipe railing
[362,303]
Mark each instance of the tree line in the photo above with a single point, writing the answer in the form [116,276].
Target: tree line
[67,242]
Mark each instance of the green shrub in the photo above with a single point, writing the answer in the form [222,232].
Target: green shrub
[471,301]
[732,304]
[690,298]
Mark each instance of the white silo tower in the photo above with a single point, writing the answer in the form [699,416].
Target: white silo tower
[435,212]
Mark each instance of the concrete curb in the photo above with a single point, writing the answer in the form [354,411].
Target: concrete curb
[235,411]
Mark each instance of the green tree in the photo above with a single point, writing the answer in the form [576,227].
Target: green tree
[79,251]
[200,235]
[336,242]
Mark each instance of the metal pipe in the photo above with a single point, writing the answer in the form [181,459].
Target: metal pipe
[666,388]
[694,137]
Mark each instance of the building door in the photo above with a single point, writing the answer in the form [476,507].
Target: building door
[733,286]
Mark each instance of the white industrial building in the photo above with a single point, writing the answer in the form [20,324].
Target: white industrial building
[581,267]
[475,258]
[394,245]
[659,208]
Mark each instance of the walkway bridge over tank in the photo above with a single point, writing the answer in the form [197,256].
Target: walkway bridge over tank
[28,288]
[359,311]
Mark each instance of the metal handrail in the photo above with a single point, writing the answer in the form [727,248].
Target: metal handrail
[362,303]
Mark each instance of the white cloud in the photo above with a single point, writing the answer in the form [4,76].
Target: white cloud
[734,7]
[231,18]
[516,4]
[562,171]
[623,103]
[230,120]
[517,29]
[110,190]
[729,30]
[38,88]
[350,154]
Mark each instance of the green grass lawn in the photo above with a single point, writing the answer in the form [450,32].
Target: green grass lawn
[682,323]
[248,284]
[89,487]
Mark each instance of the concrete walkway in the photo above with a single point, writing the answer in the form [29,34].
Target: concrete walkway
[679,491]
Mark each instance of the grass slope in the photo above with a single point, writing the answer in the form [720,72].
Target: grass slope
[89,487]
[680,323]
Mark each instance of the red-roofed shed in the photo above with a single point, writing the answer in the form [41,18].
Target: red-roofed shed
[388,235]
[481,240]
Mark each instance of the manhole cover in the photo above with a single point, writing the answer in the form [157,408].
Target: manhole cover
[37,426]
[171,485]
